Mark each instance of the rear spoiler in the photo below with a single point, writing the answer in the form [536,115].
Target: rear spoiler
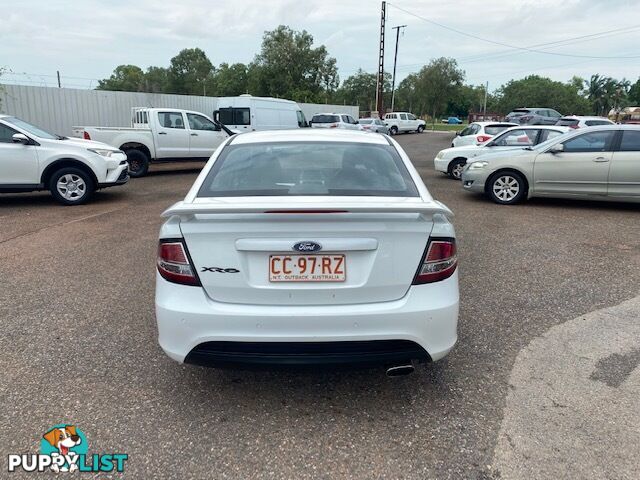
[188,209]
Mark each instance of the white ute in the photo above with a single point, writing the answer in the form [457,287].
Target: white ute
[32,159]
[308,247]
[160,134]
[403,122]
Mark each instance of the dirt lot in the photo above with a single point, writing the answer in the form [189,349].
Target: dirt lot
[79,341]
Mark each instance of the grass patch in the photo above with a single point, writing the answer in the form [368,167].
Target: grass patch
[444,127]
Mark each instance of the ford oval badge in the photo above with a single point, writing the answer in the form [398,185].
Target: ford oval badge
[307,247]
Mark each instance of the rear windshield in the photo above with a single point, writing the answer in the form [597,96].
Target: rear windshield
[518,112]
[365,121]
[592,123]
[325,119]
[567,122]
[308,168]
[495,129]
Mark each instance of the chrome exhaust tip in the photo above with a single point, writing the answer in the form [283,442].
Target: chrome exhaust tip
[400,370]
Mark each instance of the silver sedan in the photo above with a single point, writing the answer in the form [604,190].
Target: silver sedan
[600,163]
[373,125]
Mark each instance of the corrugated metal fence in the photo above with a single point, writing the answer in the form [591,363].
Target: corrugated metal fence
[58,109]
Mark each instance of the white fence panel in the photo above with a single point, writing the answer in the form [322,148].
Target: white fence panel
[59,109]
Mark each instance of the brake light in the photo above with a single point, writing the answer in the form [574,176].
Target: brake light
[174,265]
[333,125]
[574,126]
[86,135]
[438,263]
[483,138]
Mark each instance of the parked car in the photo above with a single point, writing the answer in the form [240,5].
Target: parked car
[160,134]
[315,260]
[246,113]
[373,125]
[452,160]
[479,132]
[452,121]
[403,122]
[335,120]
[574,121]
[32,159]
[598,163]
[533,116]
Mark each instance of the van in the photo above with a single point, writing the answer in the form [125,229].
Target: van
[247,113]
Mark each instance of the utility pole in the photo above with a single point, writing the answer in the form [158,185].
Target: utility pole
[484,108]
[58,73]
[380,85]
[395,59]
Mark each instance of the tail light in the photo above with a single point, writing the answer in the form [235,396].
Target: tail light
[438,263]
[576,126]
[333,125]
[174,264]
[483,138]
[86,135]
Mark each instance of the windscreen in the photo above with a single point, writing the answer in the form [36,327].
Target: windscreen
[495,129]
[518,112]
[308,168]
[325,119]
[567,122]
[365,121]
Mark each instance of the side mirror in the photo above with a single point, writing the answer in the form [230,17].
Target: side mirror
[559,148]
[457,134]
[20,138]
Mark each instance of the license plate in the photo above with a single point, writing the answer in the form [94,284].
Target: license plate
[307,268]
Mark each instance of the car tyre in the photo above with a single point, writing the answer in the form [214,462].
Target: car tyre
[138,163]
[420,128]
[455,168]
[506,188]
[393,130]
[71,186]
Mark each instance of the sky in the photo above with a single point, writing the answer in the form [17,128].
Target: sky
[85,40]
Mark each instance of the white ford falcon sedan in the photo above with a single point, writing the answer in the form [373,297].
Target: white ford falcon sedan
[308,247]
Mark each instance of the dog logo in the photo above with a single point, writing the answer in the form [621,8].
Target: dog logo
[64,448]
[66,442]
[307,247]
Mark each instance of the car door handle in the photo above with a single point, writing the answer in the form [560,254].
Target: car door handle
[194,134]
[162,133]
[600,159]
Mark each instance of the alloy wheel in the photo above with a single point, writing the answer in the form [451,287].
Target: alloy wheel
[506,188]
[72,187]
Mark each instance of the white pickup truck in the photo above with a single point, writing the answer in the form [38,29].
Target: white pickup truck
[160,134]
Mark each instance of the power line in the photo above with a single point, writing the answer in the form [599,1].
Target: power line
[515,47]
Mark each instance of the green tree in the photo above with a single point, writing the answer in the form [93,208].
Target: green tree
[289,67]
[634,94]
[231,80]
[430,90]
[127,78]
[191,73]
[156,80]
[466,98]
[360,89]
[536,91]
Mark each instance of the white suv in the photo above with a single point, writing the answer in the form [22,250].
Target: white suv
[335,120]
[72,169]
[399,122]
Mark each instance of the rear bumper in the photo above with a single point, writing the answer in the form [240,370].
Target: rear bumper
[194,329]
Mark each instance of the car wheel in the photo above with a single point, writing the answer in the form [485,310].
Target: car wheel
[420,128]
[138,163]
[506,188]
[71,186]
[393,130]
[456,167]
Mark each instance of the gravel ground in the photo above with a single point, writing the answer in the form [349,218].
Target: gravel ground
[79,341]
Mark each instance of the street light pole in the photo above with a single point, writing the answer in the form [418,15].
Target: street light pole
[395,58]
